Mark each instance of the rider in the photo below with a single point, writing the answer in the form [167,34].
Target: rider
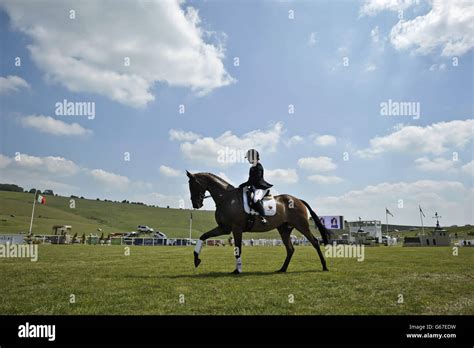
[258,185]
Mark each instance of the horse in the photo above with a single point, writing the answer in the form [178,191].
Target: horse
[291,212]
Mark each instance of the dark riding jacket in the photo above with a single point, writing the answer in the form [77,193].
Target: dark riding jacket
[256,178]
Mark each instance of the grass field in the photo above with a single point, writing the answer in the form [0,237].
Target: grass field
[151,279]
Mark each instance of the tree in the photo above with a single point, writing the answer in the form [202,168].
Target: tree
[11,187]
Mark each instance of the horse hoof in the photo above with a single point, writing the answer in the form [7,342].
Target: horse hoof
[197,262]
[281,271]
[235,272]
[325,270]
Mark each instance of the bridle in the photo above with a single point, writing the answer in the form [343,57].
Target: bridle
[202,196]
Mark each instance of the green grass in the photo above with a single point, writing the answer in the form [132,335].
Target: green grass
[151,279]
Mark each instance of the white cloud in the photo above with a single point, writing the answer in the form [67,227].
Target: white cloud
[170,172]
[374,34]
[436,164]
[180,135]
[207,150]
[468,168]
[436,67]
[370,67]
[166,45]
[110,180]
[281,176]
[372,7]
[448,26]
[39,172]
[325,140]
[66,177]
[4,161]
[325,179]
[295,139]
[450,198]
[49,125]
[432,139]
[49,164]
[12,83]
[312,39]
[317,164]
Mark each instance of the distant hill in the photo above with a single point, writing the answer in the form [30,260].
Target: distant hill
[88,215]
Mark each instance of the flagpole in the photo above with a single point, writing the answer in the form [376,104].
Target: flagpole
[190,225]
[32,212]
[421,218]
[386,221]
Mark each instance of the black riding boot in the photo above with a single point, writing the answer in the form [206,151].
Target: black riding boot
[258,206]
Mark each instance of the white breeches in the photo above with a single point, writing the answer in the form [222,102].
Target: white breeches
[258,194]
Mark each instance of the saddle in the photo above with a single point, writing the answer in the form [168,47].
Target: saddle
[268,201]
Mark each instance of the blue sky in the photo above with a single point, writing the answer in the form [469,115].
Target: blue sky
[183,54]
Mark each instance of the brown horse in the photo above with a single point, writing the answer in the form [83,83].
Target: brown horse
[230,217]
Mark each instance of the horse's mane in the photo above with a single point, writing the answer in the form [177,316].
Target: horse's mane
[220,180]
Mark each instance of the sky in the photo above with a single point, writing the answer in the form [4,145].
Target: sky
[354,106]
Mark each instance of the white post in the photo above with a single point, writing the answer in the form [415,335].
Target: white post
[33,212]
[386,221]
[190,226]
[422,227]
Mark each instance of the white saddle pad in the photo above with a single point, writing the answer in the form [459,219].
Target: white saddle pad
[268,204]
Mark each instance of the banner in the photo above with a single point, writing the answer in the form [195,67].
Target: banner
[12,238]
[333,222]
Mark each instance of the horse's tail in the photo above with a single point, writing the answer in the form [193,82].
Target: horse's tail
[322,229]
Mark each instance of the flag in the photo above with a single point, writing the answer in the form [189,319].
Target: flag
[421,211]
[41,199]
[388,212]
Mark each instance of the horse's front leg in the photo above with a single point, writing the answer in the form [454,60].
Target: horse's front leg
[237,250]
[215,232]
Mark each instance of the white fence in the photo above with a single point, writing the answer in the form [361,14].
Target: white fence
[149,241]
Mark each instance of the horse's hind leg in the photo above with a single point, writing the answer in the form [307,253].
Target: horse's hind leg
[285,233]
[303,227]
[218,231]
